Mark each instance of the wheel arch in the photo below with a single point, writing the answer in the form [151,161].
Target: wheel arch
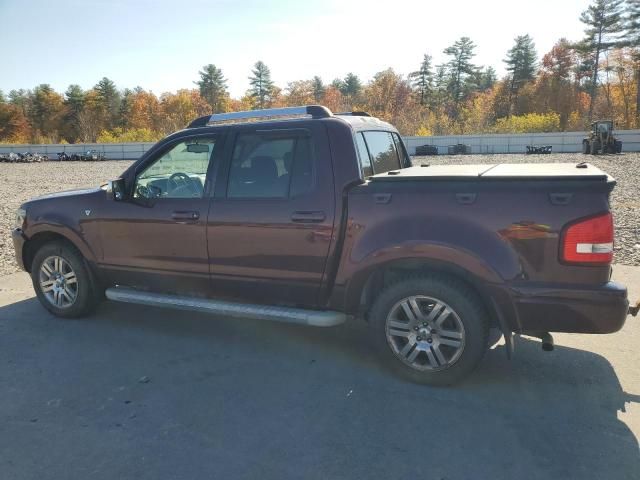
[361,294]
[36,241]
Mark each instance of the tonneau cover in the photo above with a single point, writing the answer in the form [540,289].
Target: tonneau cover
[500,171]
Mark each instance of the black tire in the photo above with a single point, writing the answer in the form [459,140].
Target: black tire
[468,310]
[585,147]
[595,148]
[618,146]
[85,299]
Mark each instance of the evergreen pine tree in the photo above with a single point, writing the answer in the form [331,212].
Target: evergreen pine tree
[459,70]
[261,85]
[632,39]
[521,65]
[422,80]
[109,99]
[604,23]
[351,87]
[213,87]
[74,103]
[318,89]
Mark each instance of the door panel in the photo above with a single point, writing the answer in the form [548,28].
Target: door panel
[157,239]
[273,250]
[149,247]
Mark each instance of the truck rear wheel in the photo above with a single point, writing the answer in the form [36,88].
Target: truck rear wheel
[595,148]
[431,329]
[62,281]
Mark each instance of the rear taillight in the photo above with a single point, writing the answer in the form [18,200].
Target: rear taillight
[589,241]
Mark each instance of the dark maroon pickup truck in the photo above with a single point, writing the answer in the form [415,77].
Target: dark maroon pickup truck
[301,215]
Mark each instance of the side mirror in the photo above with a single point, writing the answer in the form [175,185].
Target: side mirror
[116,190]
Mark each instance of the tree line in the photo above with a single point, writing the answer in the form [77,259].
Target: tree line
[574,83]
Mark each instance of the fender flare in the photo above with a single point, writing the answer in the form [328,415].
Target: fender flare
[439,257]
[63,231]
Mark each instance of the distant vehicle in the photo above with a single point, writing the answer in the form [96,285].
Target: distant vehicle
[93,156]
[601,139]
[88,156]
[317,218]
[26,157]
[426,150]
[539,149]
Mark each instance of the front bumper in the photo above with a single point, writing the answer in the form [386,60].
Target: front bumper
[19,240]
[542,308]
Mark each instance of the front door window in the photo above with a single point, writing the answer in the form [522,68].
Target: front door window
[178,173]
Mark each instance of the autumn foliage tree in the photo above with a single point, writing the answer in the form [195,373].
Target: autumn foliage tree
[596,77]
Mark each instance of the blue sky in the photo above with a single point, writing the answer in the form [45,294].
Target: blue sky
[160,45]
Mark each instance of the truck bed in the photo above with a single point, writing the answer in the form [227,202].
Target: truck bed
[501,171]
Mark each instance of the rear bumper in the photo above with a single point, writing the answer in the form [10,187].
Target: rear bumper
[18,244]
[601,309]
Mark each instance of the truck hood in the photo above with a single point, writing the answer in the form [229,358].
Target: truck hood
[500,171]
[66,193]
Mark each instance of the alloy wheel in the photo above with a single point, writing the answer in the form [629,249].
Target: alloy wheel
[425,333]
[58,282]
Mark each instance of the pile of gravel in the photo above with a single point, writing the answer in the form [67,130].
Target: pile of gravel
[20,182]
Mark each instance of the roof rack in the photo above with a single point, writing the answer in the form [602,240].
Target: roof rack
[353,114]
[314,111]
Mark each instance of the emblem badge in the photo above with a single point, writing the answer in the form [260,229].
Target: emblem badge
[87,212]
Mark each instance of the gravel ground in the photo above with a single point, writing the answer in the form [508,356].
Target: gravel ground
[19,182]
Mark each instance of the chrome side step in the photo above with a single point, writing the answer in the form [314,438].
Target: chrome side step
[219,307]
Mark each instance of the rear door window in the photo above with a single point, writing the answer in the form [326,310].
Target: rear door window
[277,165]
[382,150]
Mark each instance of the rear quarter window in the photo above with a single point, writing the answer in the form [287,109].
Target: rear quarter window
[382,151]
[363,154]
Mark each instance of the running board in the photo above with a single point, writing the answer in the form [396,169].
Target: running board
[300,316]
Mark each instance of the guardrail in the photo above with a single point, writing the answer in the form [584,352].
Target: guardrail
[562,142]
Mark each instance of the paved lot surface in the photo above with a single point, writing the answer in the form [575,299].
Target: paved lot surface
[136,392]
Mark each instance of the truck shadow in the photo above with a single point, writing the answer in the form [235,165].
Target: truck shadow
[541,415]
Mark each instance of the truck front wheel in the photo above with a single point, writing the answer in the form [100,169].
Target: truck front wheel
[431,329]
[62,281]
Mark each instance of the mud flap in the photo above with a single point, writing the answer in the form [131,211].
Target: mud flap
[506,331]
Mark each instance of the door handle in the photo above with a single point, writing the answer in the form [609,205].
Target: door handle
[188,215]
[308,217]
